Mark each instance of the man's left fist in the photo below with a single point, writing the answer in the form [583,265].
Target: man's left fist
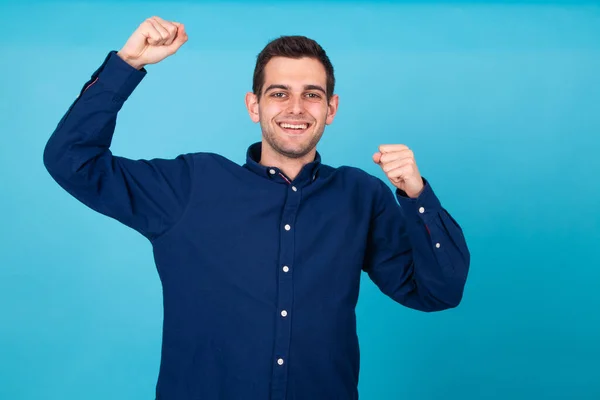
[398,163]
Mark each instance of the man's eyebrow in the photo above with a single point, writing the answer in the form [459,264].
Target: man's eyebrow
[286,87]
[277,86]
[315,87]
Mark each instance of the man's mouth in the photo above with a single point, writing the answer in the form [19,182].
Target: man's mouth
[295,127]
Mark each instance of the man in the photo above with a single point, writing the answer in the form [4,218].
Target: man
[260,264]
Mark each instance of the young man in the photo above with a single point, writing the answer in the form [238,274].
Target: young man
[260,264]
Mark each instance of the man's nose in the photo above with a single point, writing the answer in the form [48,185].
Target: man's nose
[295,105]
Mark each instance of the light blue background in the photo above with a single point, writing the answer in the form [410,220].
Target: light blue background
[499,101]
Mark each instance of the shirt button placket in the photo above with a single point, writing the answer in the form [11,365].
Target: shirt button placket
[285,293]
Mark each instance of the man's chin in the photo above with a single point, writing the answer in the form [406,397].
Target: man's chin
[293,152]
[292,147]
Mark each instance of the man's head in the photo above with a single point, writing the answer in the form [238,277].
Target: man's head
[292,95]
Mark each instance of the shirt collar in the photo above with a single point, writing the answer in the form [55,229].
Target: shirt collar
[307,174]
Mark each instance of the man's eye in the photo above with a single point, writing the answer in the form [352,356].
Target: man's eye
[313,95]
[278,94]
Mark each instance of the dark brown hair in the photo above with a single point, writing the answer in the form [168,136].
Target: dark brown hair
[291,47]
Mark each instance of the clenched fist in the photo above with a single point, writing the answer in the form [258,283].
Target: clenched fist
[398,163]
[153,41]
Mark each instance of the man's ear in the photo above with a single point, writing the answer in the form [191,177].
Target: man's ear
[332,108]
[252,106]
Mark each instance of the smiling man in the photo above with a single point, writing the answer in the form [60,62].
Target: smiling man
[260,264]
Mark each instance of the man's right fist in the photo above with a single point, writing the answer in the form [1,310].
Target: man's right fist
[154,40]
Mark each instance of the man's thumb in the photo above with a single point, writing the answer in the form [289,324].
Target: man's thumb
[377,157]
[181,33]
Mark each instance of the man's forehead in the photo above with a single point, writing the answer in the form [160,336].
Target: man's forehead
[303,70]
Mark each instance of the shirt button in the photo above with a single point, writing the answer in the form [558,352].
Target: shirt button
[294,188]
[286,268]
[272,171]
[421,210]
[284,313]
[287,227]
[437,245]
[280,361]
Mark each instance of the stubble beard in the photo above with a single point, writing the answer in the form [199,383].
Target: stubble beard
[294,152]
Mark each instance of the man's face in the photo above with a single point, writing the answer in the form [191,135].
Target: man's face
[293,108]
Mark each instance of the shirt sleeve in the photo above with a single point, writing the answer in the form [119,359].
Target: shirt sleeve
[417,253]
[147,195]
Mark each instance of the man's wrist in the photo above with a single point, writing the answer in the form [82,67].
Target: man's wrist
[129,61]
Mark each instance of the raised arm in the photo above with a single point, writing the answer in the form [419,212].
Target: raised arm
[146,195]
[417,253]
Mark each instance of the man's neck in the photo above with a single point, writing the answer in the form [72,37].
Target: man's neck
[291,167]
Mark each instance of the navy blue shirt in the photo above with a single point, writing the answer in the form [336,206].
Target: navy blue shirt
[260,273]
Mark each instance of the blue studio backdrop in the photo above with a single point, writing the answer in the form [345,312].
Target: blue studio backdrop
[500,102]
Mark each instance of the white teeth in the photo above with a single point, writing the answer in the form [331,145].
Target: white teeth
[290,126]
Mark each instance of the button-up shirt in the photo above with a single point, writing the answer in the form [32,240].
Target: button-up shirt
[260,272]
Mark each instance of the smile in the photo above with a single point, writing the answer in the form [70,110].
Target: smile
[294,127]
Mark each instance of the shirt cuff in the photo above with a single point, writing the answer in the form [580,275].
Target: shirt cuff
[426,205]
[118,76]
